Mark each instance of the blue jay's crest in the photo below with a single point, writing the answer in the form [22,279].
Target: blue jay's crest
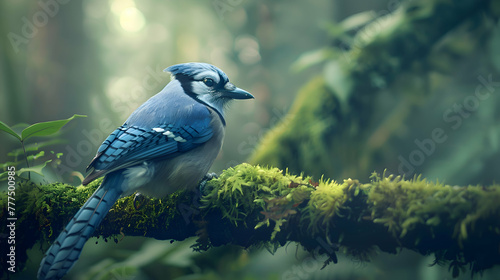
[193,69]
[168,143]
[207,84]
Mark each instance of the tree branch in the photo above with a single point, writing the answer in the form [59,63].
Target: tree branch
[254,206]
[333,115]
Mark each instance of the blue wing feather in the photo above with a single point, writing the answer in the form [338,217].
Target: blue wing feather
[110,139]
[132,144]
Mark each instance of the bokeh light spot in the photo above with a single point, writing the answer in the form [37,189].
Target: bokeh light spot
[132,20]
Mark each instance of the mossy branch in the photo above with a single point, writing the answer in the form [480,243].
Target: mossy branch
[255,206]
[332,116]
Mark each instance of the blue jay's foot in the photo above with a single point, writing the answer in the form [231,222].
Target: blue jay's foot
[205,179]
[139,201]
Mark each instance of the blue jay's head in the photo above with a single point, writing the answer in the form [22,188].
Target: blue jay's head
[207,84]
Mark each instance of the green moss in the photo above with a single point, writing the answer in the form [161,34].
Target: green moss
[325,202]
[55,202]
[403,205]
[264,193]
[153,214]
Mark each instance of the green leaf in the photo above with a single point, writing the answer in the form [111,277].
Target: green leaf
[19,162]
[9,130]
[37,169]
[33,157]
[19,126]
[358,20]
[10,163]
[4,175]
[337,80]
[35,147]
[312,58]
[46,128]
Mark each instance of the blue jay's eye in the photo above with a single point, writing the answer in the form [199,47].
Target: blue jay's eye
[209,82]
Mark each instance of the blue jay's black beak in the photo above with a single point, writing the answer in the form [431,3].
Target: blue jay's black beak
[231,91]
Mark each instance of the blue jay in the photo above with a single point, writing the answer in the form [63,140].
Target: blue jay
[168,143]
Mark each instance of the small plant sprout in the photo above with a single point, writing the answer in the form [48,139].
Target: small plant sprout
[37,129]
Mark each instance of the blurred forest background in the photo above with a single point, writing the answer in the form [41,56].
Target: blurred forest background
[433,113]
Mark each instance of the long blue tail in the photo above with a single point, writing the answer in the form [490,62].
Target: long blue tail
[65,251]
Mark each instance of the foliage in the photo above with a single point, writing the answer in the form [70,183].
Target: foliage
[37,129]
[388,81]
